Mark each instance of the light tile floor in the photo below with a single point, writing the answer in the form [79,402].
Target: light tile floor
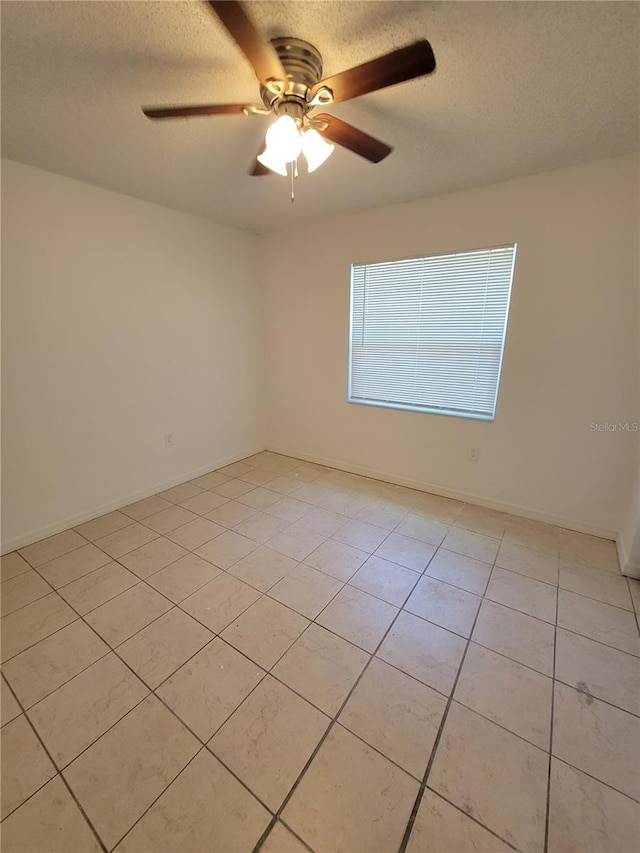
[281,657]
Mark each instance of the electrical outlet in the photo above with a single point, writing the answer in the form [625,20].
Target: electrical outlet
[474,454]
[168,439]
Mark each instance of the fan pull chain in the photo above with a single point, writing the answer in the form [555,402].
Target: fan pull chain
[294,175]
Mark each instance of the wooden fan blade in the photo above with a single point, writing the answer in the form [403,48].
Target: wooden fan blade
[416,60]
[261,54]
[355,140]
[196,110]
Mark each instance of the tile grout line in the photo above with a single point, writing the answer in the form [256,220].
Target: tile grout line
[107,600]
[179,719]
[334,721]
[58,773]
[555,678]
[636,613]
[33,600]
[17,574]
[176,777]
[287,828]
[67,680]
[598,699]
[568,630]
[599,781]
[551,723]
[151,692]
[597,600]
[470,817]
[418,801]
[204,744]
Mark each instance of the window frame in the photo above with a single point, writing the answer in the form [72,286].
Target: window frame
[427,409]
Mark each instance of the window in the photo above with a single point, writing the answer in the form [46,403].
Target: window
[427,334]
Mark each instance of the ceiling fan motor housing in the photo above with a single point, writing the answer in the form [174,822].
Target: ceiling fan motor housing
[302,63]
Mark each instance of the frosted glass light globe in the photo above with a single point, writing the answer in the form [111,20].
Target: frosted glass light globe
[271,160]
[315,149]
[283,139]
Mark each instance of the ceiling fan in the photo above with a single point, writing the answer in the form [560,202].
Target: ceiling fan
[291,87]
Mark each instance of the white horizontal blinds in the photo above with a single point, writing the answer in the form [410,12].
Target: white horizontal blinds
[428,333]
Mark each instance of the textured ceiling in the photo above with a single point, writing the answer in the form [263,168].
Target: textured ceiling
[520,88]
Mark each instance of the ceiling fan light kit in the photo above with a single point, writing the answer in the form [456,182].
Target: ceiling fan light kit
[286,140]
[291,87]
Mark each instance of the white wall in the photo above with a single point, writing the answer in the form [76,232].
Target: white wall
[121,320]
[570,358]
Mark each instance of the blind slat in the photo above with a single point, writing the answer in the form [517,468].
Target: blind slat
[428,333]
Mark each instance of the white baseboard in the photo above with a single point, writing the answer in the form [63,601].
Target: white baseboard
[433,488]
[65,523]
[469,497]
